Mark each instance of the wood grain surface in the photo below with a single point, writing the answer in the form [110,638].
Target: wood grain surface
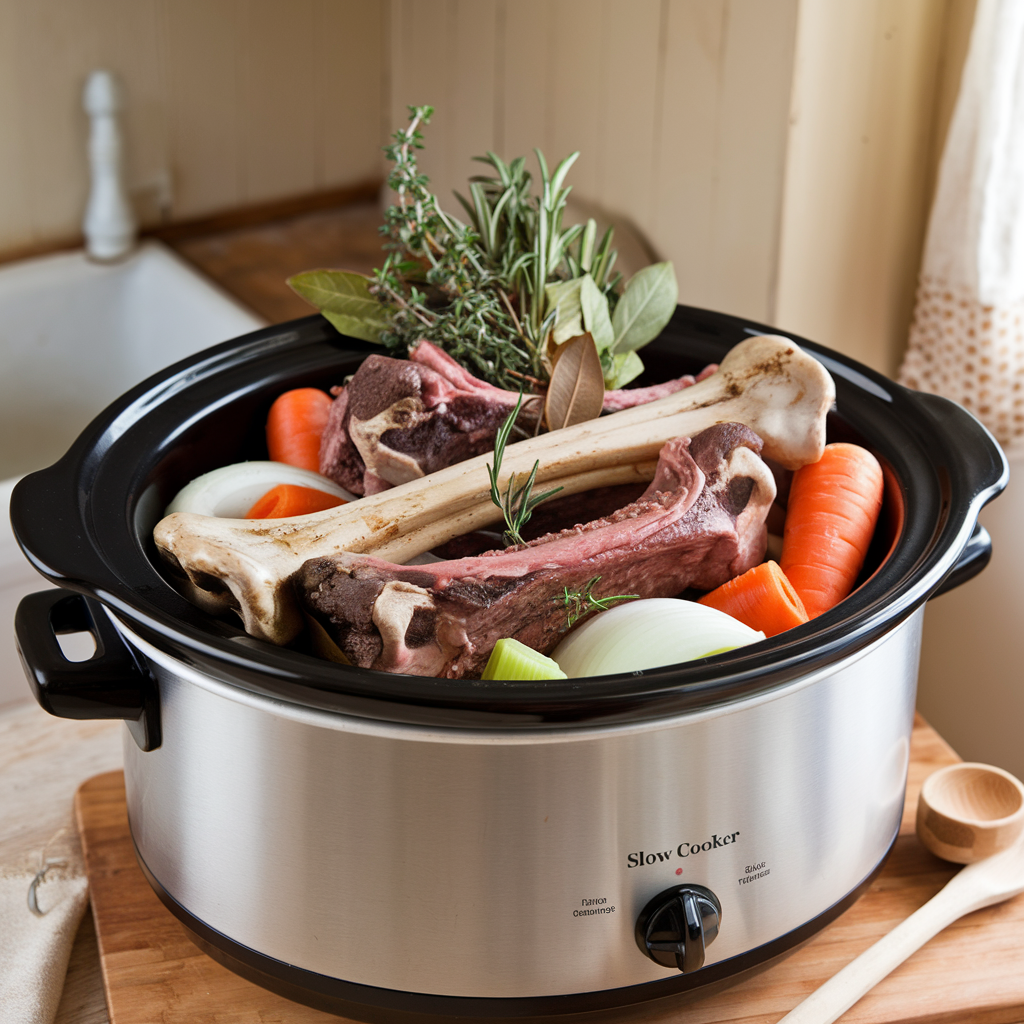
[971,974]
[254,261]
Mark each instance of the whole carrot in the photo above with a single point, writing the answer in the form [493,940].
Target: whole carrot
[294,426]
[286,500]
[762,598]
[830,519]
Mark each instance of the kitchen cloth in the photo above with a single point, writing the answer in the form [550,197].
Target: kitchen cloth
[43,760]
[967,335]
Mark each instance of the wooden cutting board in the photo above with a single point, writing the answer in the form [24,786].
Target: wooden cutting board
[973,973]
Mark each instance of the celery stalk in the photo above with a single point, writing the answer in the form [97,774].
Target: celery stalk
[512,660]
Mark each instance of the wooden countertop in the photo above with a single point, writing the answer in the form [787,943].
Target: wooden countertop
[254,262]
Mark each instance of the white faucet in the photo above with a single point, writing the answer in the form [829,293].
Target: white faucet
[109,224]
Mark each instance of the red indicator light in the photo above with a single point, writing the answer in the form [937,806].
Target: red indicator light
[679,871]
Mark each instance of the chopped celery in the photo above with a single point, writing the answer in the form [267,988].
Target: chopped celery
[512,660]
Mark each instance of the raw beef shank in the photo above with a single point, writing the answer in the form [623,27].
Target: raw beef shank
[700,523]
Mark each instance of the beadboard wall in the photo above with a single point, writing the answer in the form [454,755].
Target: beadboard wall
[780,152]
[679,110]
[238,102]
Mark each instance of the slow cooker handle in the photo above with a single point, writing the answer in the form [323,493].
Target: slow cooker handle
[977,472]
[111,684]
[974,557]
[964,446]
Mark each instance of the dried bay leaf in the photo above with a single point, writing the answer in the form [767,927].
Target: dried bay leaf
[344,298]
[576,388]
[646,306]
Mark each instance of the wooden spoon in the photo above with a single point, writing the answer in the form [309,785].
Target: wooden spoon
[968,812]
[979,800]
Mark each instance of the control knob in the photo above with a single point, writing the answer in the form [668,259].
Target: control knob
[675,927]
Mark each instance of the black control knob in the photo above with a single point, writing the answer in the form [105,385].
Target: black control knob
[677,925]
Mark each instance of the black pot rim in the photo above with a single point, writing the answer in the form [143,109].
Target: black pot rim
[77,522]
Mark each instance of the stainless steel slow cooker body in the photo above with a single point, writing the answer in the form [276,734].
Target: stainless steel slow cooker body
[383,845]
[507,864]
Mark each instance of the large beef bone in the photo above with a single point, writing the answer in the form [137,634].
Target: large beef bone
[766,382]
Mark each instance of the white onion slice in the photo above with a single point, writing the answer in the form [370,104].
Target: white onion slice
[229,492]
[649,633]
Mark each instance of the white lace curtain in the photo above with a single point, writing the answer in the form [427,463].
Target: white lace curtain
[967,337]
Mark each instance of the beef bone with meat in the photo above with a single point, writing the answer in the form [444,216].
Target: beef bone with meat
[399,419]
[700,523]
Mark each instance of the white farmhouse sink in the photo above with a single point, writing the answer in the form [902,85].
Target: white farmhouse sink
[73,336]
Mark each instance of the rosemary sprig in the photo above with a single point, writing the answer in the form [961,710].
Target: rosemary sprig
[517,503]
[581,600]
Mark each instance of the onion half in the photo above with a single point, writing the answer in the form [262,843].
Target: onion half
[229,492]
[650,633]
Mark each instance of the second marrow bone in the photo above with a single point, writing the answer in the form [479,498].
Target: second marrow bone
[767,383]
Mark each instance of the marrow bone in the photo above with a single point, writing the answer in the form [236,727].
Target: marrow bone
[767,383]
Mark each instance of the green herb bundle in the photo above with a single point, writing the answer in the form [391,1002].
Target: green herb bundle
[504,292]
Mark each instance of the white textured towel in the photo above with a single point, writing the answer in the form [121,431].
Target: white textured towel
[967,337]
[43,760]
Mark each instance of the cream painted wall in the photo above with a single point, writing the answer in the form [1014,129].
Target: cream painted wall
[241,101]
[870,89]
[780,152]
[679,109]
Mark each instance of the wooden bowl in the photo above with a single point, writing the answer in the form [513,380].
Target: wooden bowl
[970,811]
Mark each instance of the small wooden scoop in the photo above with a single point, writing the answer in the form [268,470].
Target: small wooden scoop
[968,812]
[981,808]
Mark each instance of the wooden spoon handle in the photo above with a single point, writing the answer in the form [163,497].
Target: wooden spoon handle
[857,978]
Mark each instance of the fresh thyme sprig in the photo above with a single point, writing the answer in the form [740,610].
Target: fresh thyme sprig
[580,600]
[438,280]
[517,503]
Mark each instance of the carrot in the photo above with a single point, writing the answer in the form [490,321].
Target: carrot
[830,519]
[291,500]
[295,425]
[762,598]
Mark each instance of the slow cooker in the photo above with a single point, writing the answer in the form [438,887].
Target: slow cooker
[387,846]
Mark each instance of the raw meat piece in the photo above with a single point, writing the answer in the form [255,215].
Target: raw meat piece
[626,398]
[398,419]
[700,523]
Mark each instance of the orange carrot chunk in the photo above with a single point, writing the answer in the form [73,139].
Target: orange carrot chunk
[295,425]
[762,598]
[830,519]
[291,500]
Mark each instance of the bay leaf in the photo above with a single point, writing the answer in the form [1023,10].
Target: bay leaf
[626,366]
[564,298]
[646,306]
[576,388]
[344,299]
[595,313]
